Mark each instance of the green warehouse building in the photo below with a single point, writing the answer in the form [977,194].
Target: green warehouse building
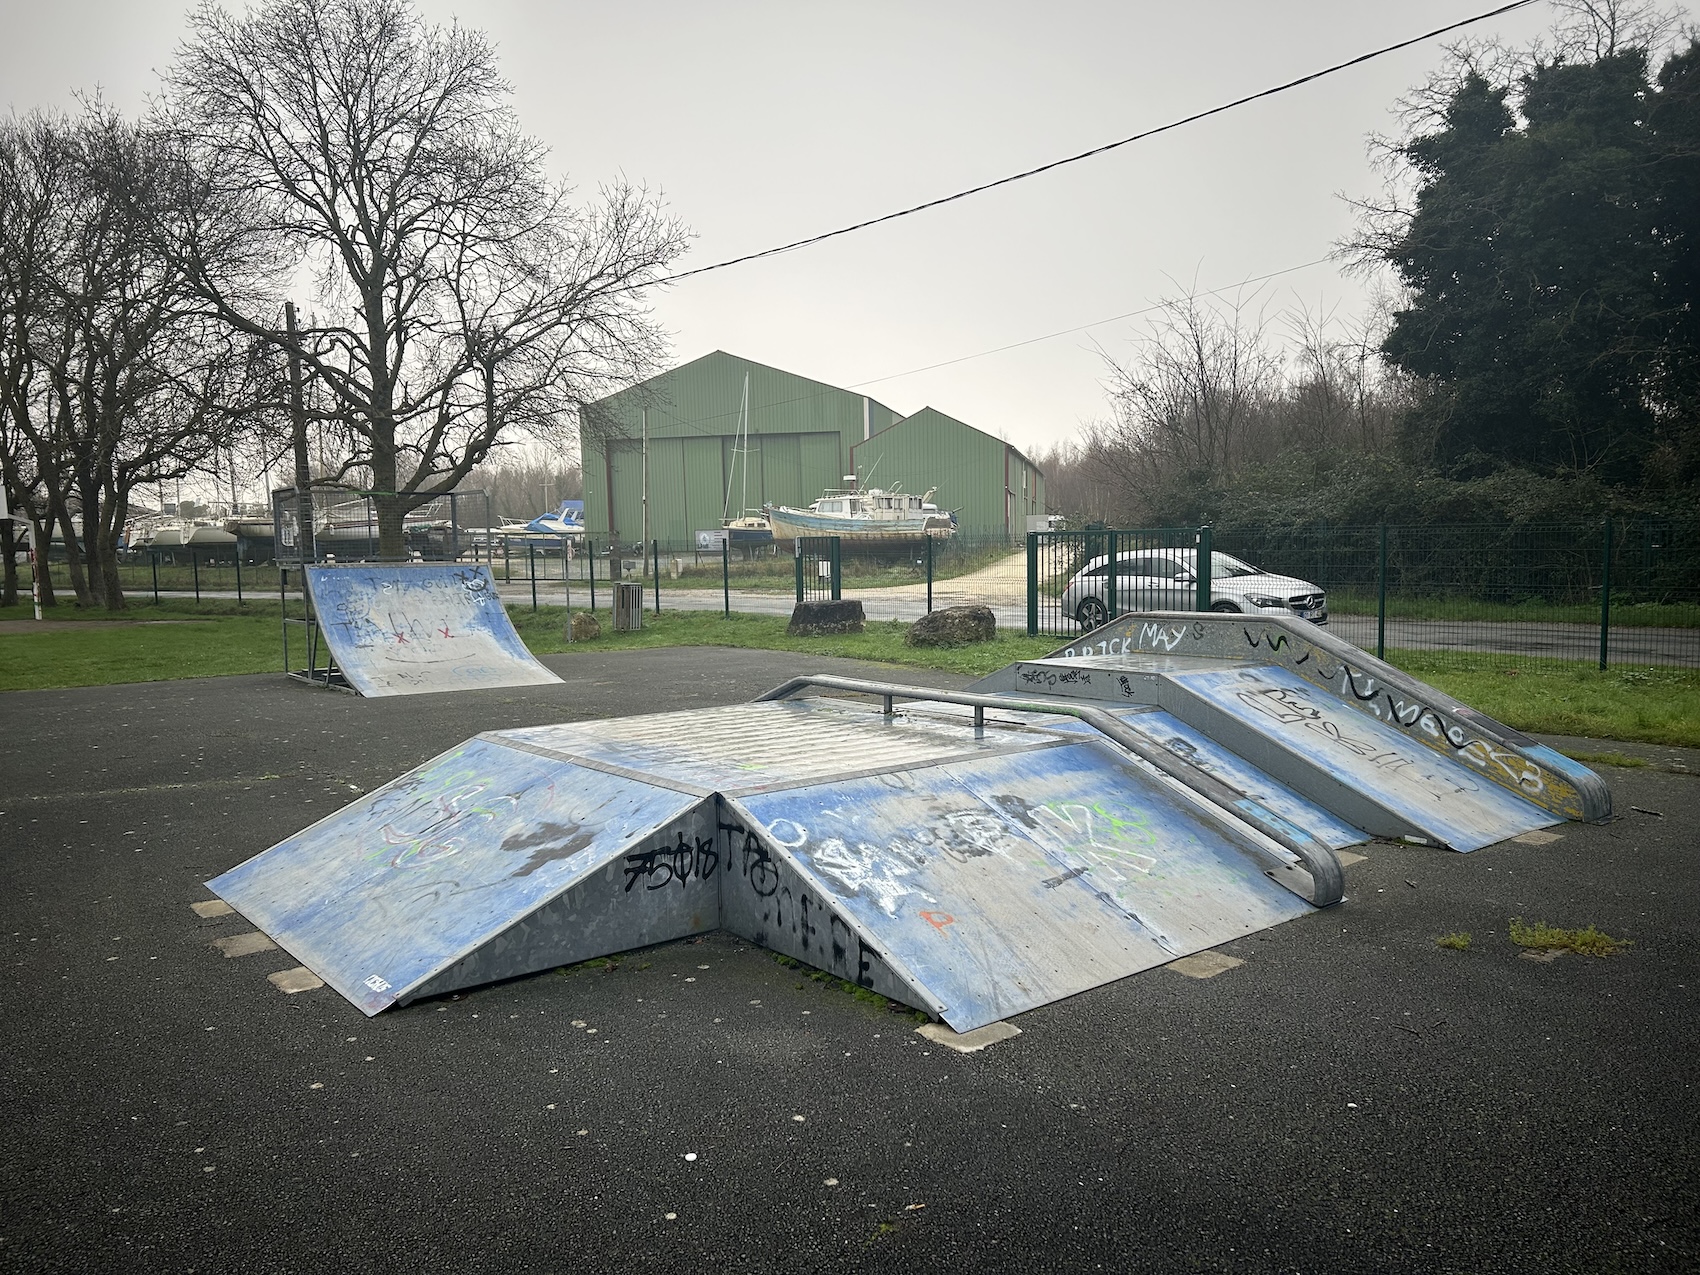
[705,464]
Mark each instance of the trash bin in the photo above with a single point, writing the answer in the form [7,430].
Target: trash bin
[628,607]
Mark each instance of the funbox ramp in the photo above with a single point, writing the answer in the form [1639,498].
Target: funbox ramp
[1379,749]
[415,628]
[973,870]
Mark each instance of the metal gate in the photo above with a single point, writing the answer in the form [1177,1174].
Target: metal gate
[1080,579]
[820,569]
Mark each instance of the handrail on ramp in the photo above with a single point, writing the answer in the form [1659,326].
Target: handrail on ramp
[1328,879]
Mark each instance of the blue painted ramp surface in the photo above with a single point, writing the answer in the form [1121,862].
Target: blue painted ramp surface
[416,876]
[1001,883]
[409,629]
[1432,792]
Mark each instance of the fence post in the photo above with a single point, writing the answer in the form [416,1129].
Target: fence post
[799,544]
[1032,584]
[837,561]
[655,564]
[195,567]
[726,573]
[1381,598]
[590,571]
[153,559]
[929,575]
[1112,587]
[1605,600]
[1202,603]
[239,577]
[507,562]
[530,567]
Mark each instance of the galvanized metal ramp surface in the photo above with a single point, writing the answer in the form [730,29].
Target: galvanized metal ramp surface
[971,871]
[1352,767]
[415,628]
[1157,642]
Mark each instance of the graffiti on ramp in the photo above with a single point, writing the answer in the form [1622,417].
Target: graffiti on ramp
[415,628]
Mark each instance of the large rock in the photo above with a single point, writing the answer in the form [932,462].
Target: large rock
[584,627]
[811,619]
[954,626]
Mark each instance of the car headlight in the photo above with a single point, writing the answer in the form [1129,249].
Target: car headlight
[1263,600]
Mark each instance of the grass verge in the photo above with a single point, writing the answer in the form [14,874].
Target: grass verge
[1555,697]
[213,639]
[881,641]
[1649,705]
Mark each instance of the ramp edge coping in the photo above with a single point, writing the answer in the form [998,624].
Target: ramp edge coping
[1328,878]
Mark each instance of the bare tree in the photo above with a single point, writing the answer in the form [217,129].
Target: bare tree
[461,295]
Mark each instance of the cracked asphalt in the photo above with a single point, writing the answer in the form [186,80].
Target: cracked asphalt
[1350,1098]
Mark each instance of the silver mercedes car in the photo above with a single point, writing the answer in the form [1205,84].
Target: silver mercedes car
[1167,580]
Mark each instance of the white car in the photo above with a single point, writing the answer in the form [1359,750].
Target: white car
[1166,580]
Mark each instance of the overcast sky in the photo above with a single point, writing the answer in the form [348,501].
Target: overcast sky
[764,123]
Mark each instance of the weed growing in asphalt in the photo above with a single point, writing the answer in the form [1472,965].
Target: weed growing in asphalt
[1458,941]
[1587,941]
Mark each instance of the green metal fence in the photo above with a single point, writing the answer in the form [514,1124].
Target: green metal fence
[1608,592]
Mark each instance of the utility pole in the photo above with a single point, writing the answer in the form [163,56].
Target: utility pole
[298,439]
[645,474]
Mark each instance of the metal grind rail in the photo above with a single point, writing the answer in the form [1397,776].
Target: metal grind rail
[1328,880]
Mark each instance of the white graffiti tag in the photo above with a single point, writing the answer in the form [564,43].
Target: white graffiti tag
[865,870]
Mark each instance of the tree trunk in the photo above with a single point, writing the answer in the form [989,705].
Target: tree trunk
[385,502]
[61,514]
[9,569]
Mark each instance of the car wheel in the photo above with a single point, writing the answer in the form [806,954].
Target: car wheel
[1091,612]
[1229,607]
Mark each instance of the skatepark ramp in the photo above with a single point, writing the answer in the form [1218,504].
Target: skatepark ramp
[415,628]
[1068,822]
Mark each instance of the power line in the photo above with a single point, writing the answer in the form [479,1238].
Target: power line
[1099,150]
[1114,318]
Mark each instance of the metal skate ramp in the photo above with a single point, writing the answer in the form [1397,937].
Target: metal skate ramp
[416,628]
[1147,646]
[1066,822]
[971,869]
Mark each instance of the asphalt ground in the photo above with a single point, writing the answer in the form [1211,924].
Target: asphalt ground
[1350,1098]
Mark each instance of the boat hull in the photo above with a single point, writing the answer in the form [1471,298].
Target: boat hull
[788,524]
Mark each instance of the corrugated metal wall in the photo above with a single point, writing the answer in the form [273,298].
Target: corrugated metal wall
[801,432]
[804,437]
[989,485]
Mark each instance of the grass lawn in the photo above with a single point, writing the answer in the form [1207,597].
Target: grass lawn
[219,637]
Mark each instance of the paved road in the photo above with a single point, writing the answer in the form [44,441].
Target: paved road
[1351,1098]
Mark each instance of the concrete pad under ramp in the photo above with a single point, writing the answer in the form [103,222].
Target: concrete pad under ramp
[416,628]
[970,871]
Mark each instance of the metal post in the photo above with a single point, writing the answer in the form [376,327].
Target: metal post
[590,571]
[799,571]
[283,610]
[153,560]
[655,570]
[1032,584]
[531,568]
[837,569]
[929,575]
[195,568]
[1605,600]
[726,573]
[1381,599]
[1111,589]
[238,575]
[1203,602]
[507,562]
